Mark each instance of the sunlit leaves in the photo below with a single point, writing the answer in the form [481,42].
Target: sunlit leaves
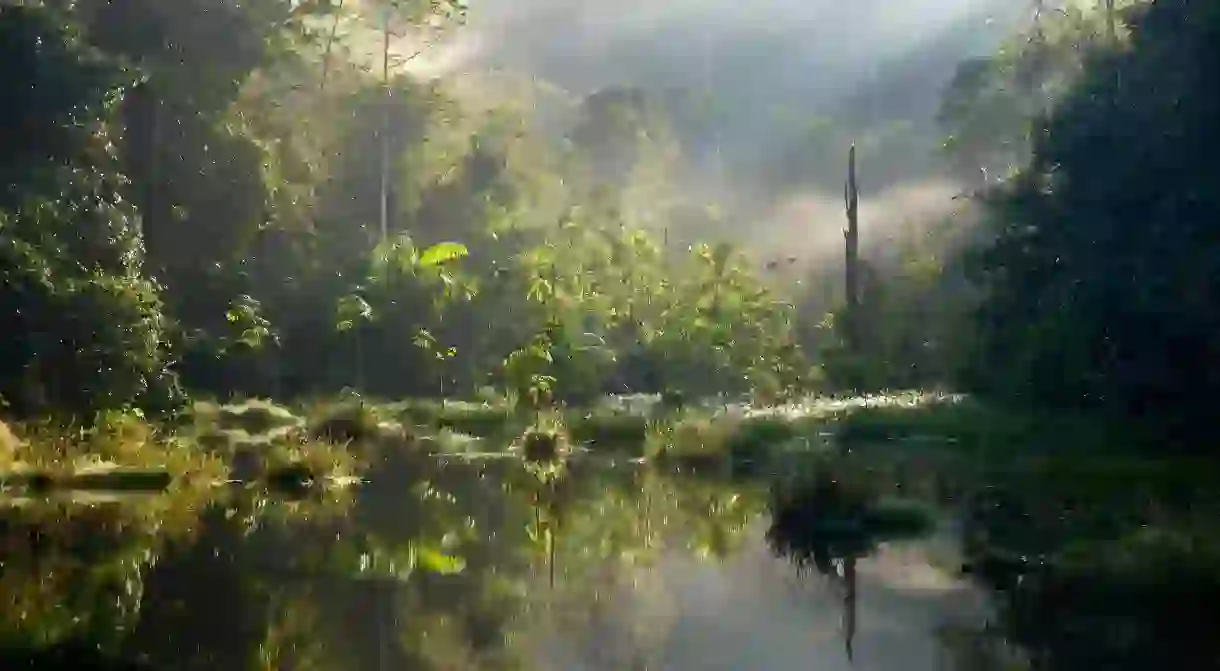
[702,318]
[245,315]
[441,253]
[351,311]
[434,561]
[400,562]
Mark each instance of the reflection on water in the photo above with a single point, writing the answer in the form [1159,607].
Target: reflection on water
[450,564]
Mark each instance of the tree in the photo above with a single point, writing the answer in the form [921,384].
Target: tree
[84,328]
[1103,280]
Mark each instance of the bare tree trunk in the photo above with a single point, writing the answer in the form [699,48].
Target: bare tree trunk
[385,135]
[330,44]
[851,238]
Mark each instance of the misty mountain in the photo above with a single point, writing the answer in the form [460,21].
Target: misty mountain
[759,71]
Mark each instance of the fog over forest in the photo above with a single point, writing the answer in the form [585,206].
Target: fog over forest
[765,72]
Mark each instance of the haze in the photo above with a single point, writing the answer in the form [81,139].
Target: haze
[770,67]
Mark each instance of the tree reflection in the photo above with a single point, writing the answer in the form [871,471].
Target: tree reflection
[73,569]
[828,520]
[433,564]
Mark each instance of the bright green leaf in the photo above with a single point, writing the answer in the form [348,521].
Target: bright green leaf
[441,253]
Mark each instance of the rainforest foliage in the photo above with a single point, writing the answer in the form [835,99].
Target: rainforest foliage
[181,216]
[294,214]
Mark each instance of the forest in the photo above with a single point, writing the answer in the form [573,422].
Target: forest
[256,214]
[182,220]
[186,221]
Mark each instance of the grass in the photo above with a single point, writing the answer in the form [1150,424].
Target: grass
[247,442]
[744,441]
[482,419]
[120,451]
[343,422]
[606,428]
[973,427]
[293,465]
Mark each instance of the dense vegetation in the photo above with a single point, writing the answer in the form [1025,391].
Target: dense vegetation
[179,217]
[238,240]
[289,217]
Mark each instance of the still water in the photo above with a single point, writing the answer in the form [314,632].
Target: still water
[448,564]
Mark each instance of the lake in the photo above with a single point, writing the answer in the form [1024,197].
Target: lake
[452,563]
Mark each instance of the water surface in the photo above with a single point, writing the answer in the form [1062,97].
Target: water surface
[442,563]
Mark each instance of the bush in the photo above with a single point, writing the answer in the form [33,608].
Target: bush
[79,344]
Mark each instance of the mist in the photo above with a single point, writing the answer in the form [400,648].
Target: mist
[770,67]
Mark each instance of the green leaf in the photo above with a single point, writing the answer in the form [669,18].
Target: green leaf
[443,252]
[437,562]
[351,309]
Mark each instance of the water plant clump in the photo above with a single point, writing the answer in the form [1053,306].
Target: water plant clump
[120,450]
[542,446]
[347,421]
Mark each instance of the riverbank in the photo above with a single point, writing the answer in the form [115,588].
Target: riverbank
[334,438]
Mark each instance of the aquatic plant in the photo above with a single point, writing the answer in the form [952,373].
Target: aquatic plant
[120,450]
[543,446]
[347,421]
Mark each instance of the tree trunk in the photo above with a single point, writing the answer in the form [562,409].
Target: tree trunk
[330,45]
[385,134]
[851,238]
